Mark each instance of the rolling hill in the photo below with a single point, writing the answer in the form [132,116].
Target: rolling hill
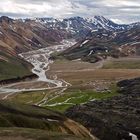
[20,121]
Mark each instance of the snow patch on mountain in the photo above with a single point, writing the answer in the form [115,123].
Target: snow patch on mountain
[86,41]
[75,24]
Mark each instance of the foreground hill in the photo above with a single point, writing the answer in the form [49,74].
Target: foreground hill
[32,122]
[115,118]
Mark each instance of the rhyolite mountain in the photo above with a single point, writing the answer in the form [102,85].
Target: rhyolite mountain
[77,24]
[17,36]
[115,118]
[101,43]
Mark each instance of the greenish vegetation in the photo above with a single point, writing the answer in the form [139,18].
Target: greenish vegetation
[57,56]
[70,98]
[29,97]
[13,68]
[26,116]
[122,64]
[34,134]
[62,105]
[60,108]
[63,101]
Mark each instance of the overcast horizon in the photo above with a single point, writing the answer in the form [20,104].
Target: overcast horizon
[119,11]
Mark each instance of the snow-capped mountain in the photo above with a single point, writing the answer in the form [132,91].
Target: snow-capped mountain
[80,27]
[75,24]
[104,23]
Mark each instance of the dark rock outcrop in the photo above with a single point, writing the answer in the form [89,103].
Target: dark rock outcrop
[131,86]
[115,118]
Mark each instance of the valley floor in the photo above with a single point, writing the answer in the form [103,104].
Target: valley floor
[64,83]
[82,73]
[86,82]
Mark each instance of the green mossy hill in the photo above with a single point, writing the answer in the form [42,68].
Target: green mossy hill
[13,67]
[33,134]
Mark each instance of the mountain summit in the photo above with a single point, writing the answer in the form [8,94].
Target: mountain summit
[77,23]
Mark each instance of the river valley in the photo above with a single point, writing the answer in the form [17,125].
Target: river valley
[40,61]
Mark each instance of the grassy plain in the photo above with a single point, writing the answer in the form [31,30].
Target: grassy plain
[123,63]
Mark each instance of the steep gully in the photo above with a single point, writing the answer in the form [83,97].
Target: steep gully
[40,61]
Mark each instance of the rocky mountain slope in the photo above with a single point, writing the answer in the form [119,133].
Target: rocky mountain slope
[19,121]
[18,36]
[116,118]
[77,25]
[100,44]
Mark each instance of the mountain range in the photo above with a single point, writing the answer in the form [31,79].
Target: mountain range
[98,34]
[103,42]
[77,24]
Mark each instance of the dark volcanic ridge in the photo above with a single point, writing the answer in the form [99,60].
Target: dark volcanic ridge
[114,118]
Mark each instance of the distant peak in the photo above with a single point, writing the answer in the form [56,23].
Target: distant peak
[74,18]
[6,19]
[101,18]
[97,16]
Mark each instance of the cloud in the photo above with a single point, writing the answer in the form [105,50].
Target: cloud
[123,11]
[37,8]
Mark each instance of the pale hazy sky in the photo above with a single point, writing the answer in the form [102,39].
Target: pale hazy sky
[121,11]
